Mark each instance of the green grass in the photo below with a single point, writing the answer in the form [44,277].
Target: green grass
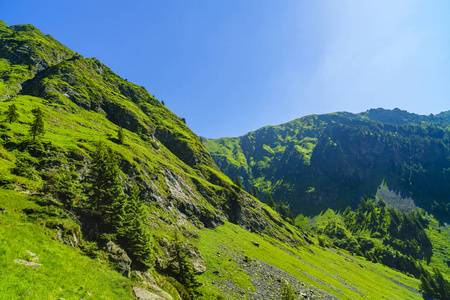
[338,270]
[65,272]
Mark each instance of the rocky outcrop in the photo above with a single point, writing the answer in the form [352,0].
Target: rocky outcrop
[120,258]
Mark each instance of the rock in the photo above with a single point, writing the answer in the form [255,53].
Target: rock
[27,263]
[71,240]
[198,264]
[160,292]
[149,277]
[256,244]
[3,211]
[33,255]
[120,258]
[142,294]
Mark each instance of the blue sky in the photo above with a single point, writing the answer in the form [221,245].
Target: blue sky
[233,66]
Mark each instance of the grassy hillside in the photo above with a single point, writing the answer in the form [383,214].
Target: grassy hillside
[179,227]
[318,162]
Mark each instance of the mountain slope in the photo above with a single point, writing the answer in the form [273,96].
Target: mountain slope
[332,160]
[236,246]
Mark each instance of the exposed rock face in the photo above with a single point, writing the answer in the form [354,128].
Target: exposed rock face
[318,161]
[120,258]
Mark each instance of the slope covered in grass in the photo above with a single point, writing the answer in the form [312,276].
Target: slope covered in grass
[177,216]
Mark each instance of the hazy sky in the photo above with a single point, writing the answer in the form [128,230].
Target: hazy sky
[233,66]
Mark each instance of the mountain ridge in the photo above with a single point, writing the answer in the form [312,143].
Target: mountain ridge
[289,148]
[118,183]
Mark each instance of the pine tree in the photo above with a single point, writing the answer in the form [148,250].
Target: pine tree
[37,127]
[270,201]
[255,192]
[121,136]
[282,209]
[107,194]
[238,182]
[185,273]
[132,232]
[12,115]
[63,185]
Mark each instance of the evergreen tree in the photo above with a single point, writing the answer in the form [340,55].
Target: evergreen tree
[282,209]
[121,136]
[63,185]
[132,232]
[238,182]
[12,115]
[185,273]
[37,127]
[255,192]
[270,201]
[107,194]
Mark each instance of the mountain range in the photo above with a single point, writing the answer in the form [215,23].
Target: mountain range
[107,194]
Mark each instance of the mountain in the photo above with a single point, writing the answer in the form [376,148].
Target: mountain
[332,160]
[106,194]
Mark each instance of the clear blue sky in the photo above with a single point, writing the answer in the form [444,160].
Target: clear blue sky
[233,66]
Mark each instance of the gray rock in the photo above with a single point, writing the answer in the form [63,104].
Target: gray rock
[256,244]
[27,263]
[33,255]
[146,276]
[71,240]
[120,258]
[142,294]
[158,291]
[3,211]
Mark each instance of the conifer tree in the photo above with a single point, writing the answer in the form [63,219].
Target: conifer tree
[255,192]
[133,234]
[37,127]
[270,201]
[185,273]
[63,185]
[238,182]
[107,194]
[121,136]
[12,115]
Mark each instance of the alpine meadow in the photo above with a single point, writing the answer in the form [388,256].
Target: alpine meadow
[107,194]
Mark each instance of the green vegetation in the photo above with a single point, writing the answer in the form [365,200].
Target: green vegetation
[328,160]
[115,165]
[31,224]
[37,127]
[11,114]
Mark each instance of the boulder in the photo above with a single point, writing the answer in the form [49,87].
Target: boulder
[33,255]
[27,263]
[143,294]
[158,291]
[119,257]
